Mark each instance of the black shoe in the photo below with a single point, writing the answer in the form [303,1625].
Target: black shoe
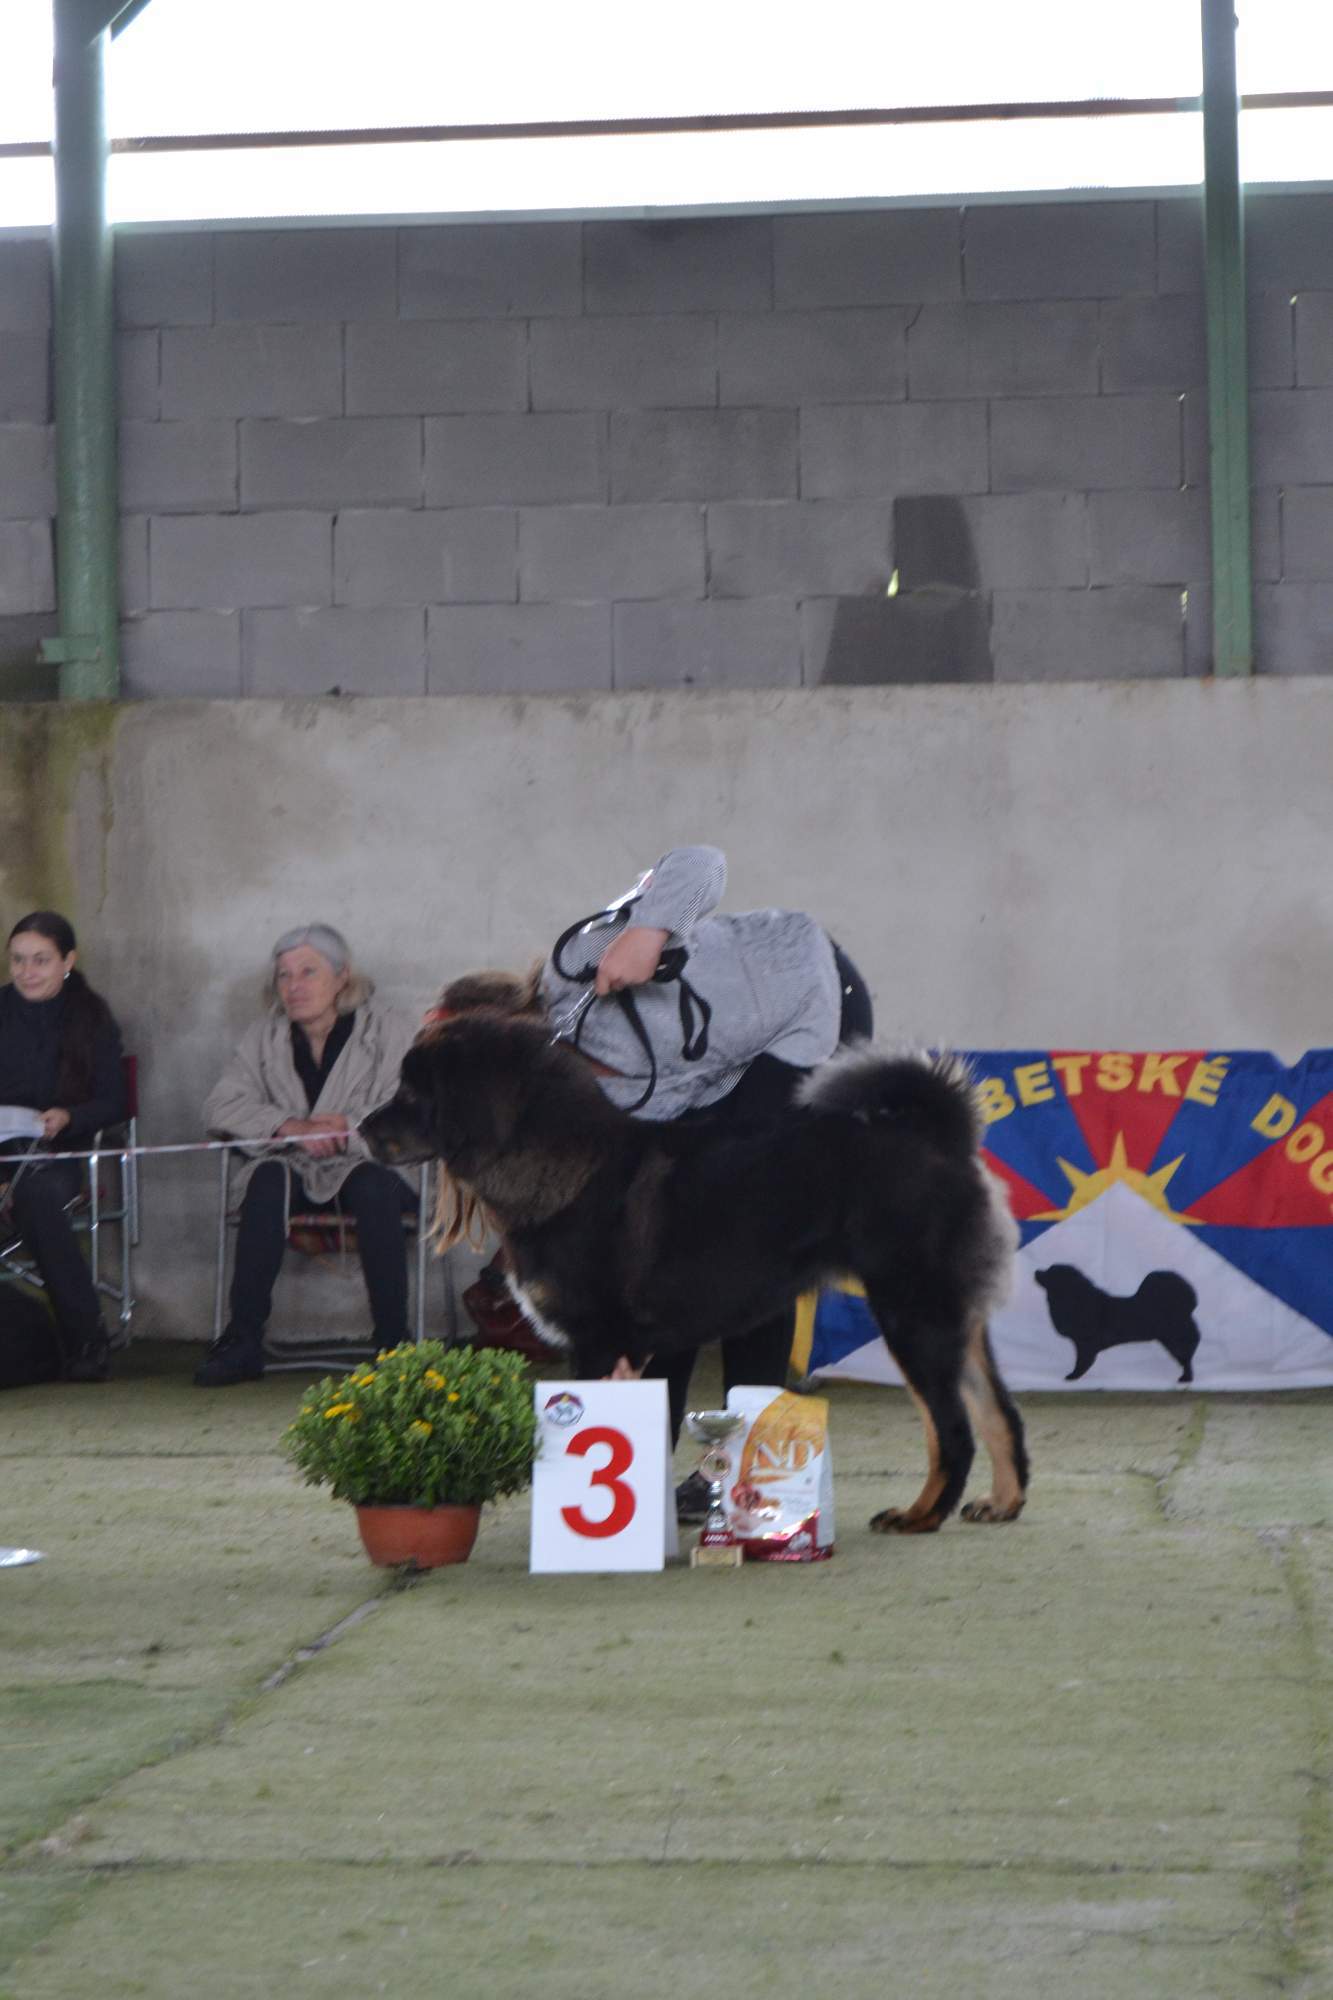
[92,1361]
[692,1498]
[237,1355]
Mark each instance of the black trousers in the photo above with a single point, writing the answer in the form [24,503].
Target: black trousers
[38,1208]
[762,1354]
[372,1197]
[858,1009]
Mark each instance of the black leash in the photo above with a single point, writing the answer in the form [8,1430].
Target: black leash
[695,1012]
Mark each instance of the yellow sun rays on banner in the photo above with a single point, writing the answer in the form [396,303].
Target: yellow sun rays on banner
[1086,1187]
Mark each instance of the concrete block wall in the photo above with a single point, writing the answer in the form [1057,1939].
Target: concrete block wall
[855,447]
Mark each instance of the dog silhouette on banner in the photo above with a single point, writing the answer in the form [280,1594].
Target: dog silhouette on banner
[1162,1309]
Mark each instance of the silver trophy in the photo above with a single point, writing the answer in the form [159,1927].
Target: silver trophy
[717,1545]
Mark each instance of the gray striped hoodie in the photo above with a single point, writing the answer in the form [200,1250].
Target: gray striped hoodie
[768,975]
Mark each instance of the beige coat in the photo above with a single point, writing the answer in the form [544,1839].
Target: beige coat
[260,1089]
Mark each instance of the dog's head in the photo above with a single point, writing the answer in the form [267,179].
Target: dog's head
[462,1091]
[1062,1281]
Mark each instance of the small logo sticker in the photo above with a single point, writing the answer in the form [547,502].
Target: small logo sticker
[564,1409]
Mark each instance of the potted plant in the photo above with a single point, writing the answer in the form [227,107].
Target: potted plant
[418,1440]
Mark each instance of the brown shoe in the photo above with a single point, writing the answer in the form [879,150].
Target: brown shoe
[500,1323]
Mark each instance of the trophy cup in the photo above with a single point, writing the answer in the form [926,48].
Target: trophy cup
[717,1545]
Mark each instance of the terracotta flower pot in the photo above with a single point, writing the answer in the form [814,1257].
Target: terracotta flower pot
[426,1536]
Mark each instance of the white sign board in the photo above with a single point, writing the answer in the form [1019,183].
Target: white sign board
[601,1485]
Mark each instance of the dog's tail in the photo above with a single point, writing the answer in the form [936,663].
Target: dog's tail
[932,1096]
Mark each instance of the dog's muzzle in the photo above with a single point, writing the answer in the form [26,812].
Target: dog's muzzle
[396,1136]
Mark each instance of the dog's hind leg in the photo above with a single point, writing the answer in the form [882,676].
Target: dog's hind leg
[1000,1428]
[920,1518]
[930,1361]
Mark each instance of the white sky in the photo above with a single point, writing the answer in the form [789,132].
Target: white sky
[192,66]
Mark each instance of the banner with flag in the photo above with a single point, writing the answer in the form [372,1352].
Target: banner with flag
[1176,1215]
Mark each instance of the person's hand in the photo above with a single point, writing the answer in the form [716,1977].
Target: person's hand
[337,1127]
[631,960]
[54,1122]
[321,1136]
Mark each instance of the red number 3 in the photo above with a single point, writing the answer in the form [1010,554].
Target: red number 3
[623,1502]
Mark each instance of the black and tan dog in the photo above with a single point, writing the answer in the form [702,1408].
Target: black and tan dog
[628,1238]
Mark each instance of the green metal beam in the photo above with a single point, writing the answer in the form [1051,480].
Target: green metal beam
[1228,372]
[87,648]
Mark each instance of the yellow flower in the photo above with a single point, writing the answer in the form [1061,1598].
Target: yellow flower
[453,1396]
[421,1427]
[362,1381]
[434,1377]
[338,1409]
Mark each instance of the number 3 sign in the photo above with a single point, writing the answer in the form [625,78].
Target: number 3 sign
[601,1483]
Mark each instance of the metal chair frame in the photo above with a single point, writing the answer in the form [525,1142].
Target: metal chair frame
[90,1212]
[283,1358]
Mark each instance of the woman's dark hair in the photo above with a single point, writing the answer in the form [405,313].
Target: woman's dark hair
[57,930]
[85,1011]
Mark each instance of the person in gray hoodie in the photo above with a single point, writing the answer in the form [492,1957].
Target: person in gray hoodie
[685,1013]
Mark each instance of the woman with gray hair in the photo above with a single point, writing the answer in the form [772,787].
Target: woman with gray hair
[324,1054]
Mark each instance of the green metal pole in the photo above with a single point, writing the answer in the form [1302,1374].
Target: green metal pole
[87,649]
[1228,373]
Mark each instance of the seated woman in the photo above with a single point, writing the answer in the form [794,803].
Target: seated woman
[323,1055]
[60,1056]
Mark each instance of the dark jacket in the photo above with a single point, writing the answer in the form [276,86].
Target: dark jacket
[30,1039]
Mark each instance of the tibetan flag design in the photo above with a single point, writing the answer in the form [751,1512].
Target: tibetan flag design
[1176,1216]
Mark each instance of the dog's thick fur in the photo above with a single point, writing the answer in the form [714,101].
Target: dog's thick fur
[630,1238]
[1161,1309]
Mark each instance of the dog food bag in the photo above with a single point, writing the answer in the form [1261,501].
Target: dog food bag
[779,1496]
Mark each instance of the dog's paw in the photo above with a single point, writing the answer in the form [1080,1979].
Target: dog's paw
[902,1521]
[990,1510]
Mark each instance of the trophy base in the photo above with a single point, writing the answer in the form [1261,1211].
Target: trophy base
[717,1555]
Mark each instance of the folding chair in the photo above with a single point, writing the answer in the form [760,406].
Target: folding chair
[334,1232]
[109,1199]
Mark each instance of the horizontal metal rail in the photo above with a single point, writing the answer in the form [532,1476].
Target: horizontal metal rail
[740,121]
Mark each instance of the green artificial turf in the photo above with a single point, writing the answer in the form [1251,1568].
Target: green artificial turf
[1085,1754]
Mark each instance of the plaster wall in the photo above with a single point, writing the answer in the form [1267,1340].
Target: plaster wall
[1080,865]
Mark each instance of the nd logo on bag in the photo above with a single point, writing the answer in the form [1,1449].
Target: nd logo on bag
[779,1491]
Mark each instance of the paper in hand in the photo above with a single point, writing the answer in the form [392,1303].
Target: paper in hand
[17,1122]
